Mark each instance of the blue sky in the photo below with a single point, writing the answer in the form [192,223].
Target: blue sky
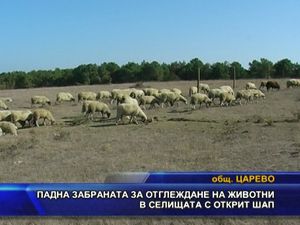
[46,34]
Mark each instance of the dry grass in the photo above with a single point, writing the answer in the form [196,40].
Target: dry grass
[257,136]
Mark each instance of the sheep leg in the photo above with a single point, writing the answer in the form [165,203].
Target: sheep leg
[37,123]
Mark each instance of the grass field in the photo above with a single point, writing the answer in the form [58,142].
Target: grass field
[264,135]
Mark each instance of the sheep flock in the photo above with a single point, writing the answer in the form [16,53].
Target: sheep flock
[131,103]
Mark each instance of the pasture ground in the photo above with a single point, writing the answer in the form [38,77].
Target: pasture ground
[262,136]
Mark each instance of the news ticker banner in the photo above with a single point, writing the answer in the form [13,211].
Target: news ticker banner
[159,194]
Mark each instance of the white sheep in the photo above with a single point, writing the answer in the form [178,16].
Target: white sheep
[244,94]
[5,115]
[293,83]
[103,95]
[215,93]
[200,98]
[117,94]
[136,93]
[85,105]
[42,114]
[3,105]
[128,99]
[250,85]
[86,95]
[21,116]
[148,100]
[227,89]
[170,98]
[6,99]
[150,91]
[257,94]
[192,90]
[38,99]
[98,107]
[226,98]
[64,97]
[204,87]
[8,127]
[177,91]
[131,110]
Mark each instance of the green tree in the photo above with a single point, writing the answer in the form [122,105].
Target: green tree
[283,68]
[260,69]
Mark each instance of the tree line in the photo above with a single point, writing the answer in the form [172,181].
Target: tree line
[147,71]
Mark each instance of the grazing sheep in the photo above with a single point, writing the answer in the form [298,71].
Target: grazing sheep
[273,85]
[131,110]
[136,93]
[243,94]
[257,94]
[42,114]
[150,91]
[86,95]
[98,107]
[117,94]
[192,90]
[128,99]
[3,105]
[64,97]
[250,85]
[227,89]
[200,98]
[85,105]
[149,100]
[164,90]
[8,127]
[226,98]
[103,95]
[177,91]
[6,99]
[21,117]
[171,98]
[5,115]
[42,100]
[215,93]
[204,87]
[293,83]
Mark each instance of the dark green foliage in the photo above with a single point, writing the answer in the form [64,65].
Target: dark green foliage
[110,72]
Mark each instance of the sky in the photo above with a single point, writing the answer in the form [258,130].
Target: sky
[49,34]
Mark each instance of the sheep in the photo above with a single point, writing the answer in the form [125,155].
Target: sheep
[227,89]
[273,85]
[21,117]
[64,97]
[177,91]
[136,93]
[244,94]
[128,99]
[8,127]
[171,98]
[151,100]
[3,105]
[204,87]
[98,107]
[293,83]
[215,93]
[227,98]
[150,91]
[86,95]
[250,85]
[43,100]
[164,90]
[85,105]
[257,94]
[132,110]
[6,99]
[103,95]
[200,98]
[42,114]
[192,90]
[118,94]
[5,115]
